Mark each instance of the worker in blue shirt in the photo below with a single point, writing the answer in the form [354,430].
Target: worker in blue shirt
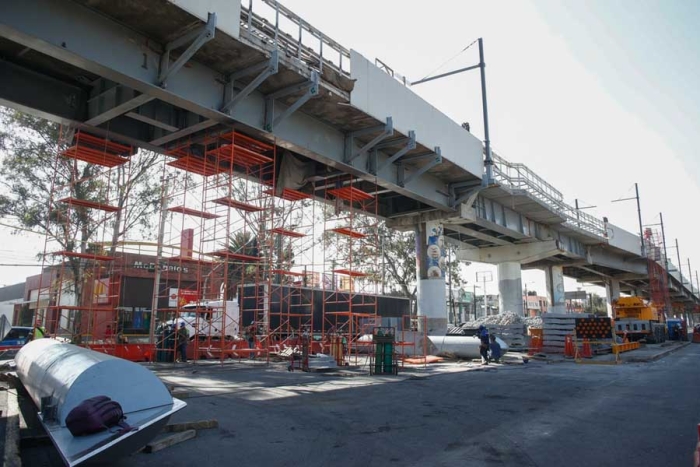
[484,344]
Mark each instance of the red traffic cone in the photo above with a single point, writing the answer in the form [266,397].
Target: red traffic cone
[586,350]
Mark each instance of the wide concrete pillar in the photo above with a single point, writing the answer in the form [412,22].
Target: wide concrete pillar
[554,275]
[510,288]
[430,271]
[612,292]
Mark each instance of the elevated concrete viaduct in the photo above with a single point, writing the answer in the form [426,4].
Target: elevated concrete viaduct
[158,74]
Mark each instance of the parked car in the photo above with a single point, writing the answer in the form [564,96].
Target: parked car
[16,337]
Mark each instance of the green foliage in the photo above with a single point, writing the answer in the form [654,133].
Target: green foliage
[33,180]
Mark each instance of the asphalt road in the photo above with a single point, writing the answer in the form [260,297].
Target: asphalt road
[642,414]
[532,415]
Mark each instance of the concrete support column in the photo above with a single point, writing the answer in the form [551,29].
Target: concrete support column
[555,289]
[510,288]
[430,269]
[612,292]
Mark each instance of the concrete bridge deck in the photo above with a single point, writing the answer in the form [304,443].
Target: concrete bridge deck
[158,74]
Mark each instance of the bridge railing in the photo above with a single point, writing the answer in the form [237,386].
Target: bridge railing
[519,176]
[274,23]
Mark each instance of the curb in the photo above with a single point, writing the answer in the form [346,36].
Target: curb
[653,358]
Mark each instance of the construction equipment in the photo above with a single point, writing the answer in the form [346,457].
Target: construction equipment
[637,319]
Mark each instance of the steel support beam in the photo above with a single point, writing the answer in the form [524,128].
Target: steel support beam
[265,70]
[386,130]
[410,145]
[312,90]
[196,38]
[203,125]
[402,180]
[114,102]
[478,235]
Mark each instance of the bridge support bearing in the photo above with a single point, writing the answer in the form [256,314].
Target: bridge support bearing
[430,269]
[612,292]
[555,289]
[510,288]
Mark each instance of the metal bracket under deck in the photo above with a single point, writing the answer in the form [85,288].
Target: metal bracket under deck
[386,130]
[312,90]
[265,69]
[469,196]
[197,37]
[402,180]
[410,145]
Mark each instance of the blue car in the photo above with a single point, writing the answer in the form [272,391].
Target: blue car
[17,337]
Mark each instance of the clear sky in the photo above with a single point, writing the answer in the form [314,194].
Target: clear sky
[594,96]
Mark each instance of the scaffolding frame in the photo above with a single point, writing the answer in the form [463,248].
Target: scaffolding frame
[351,253]
[87,210]
[228,221]
[291,302]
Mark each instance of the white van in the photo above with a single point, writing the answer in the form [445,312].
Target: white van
[211,318]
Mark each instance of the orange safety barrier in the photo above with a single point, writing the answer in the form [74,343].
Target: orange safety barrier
[586,349]
[535,345]
[569,346]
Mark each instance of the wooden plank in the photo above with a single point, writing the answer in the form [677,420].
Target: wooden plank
[168,441]
[180,394]
[197,425]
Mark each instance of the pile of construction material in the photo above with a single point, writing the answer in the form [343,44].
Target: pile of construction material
[506,318]
[508,326]
[555,329]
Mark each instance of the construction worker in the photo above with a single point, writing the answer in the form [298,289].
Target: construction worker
[39,330]
[183,335]
[250,332]
[484,344]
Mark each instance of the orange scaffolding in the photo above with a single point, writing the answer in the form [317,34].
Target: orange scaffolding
[291,298]
[351,249]
[80,289]
[224,210]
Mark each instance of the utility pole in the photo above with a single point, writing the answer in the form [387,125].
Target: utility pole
[690,278]
[639,215]
[488,159]
[663,239]
[680,271]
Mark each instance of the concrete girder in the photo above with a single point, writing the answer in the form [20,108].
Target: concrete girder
[609,260]
[523,253]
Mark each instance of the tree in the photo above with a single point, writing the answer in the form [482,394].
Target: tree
[33,180]
[388,256]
